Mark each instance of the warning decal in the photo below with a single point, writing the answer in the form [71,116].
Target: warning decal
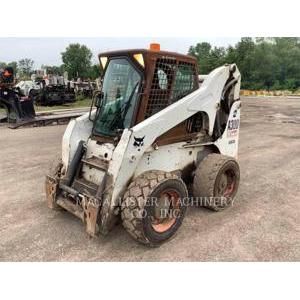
[233,127]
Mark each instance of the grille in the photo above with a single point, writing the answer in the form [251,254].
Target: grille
[171,81]
[194,123]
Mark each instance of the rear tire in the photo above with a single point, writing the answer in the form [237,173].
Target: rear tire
[147,198]
[216,181]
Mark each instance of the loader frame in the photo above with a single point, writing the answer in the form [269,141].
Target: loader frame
[133,148]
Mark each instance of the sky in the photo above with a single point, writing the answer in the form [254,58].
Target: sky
[47,50]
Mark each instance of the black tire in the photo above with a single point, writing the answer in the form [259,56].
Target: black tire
[213,173]
[11,116]
[31,94]
[139,209]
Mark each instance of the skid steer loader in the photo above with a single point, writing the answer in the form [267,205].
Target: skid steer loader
[159,135]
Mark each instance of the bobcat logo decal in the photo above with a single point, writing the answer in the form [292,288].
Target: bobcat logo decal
[138,142]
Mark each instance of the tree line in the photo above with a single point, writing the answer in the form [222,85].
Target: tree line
[77,61]
[265,63]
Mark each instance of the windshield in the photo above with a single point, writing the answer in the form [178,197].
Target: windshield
[120,90]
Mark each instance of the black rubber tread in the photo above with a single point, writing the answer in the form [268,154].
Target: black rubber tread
[206,175]
[135,199]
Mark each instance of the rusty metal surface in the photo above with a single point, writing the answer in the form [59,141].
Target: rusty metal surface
[71,207]
[91,207]
[151,91]
[85,187]
[147,52]
[154,98]
[85,206]
[170,83]
[51,189]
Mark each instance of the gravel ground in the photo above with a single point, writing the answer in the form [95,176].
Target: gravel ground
[263,225]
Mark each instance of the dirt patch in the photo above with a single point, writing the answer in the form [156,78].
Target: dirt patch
[263,224]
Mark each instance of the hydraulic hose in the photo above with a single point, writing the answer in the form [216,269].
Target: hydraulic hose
[68,180]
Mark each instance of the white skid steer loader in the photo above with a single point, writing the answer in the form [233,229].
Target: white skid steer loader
[160,137]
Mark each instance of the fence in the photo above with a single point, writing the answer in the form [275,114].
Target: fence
[269,93]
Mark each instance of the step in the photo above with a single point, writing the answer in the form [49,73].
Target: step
[85,187]
[96,162]
[71,207]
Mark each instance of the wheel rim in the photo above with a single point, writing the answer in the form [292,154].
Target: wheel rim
[227,183]
[165,215]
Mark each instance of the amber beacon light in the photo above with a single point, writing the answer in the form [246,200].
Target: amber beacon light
[155,47]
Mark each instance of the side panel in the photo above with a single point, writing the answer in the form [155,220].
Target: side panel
[103,151]
[177,156]
[167,158]
[228,142]
[78,129]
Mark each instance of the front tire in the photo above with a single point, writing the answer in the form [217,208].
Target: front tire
[216,181]
[154,207]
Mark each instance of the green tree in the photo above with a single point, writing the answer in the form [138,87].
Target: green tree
[202,52]
[77,60]
[265,66]
[217,57]
[94,72]
[25,67]
[208,57]
[264,62]
[243,55]
[287,51]
[56,70]
[12,64]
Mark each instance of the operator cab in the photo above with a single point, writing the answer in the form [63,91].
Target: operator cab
[139,83]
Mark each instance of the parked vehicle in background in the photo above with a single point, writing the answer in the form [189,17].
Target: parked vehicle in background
[47,89]
[84,89]
[28,88]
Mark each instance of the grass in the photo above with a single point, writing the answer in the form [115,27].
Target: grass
[78,104]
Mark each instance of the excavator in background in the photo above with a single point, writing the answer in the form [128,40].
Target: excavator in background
[16,106]
[19,109]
